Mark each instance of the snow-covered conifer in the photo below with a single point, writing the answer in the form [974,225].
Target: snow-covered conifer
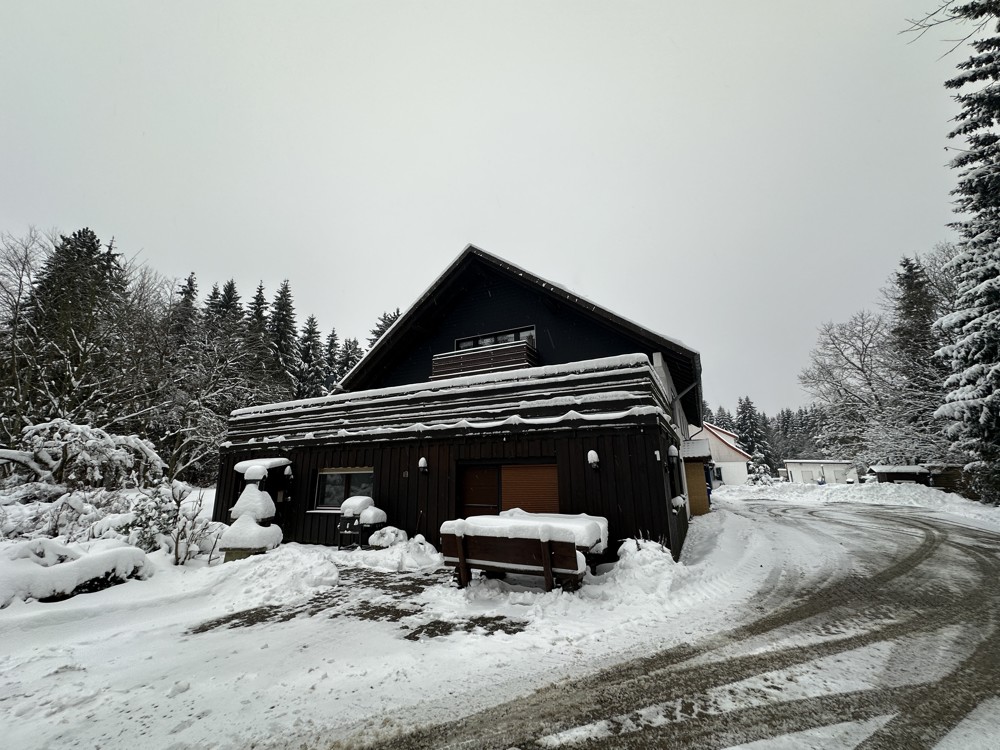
[312,375]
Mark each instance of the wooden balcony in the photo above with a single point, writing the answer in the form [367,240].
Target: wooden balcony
[510,356]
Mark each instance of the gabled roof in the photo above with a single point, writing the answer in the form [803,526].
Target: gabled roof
[614,391]
[684,363]
[727,437]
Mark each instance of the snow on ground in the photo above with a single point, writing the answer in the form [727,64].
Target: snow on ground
[343,638]
[308,644]
[872,493]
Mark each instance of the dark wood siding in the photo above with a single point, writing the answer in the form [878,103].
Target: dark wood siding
[630,487]
[489,302]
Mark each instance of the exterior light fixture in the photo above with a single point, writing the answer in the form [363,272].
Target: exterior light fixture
[422,465]
[672,451]
[593,460]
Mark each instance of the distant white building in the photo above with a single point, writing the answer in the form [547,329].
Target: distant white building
[821,471]
[730,461]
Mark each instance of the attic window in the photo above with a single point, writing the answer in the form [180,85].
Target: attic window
[526,334]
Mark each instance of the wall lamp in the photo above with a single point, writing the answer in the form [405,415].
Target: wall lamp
[422,465]
[593,460]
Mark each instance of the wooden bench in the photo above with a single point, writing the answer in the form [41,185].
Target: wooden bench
[556,561]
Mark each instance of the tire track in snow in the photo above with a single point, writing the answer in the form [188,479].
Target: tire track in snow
[613,695]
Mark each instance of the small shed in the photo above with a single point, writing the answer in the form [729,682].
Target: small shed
[912,474]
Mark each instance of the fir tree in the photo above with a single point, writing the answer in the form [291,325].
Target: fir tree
[724,419]
[706,412]
[331,350]
[281,327]
[312,375]
[972,403]
[258,310]
[385,321]
[350,354]
[229,302]
[748,427]
[213,303]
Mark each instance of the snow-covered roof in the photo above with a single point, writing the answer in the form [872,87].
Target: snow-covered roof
[620,390]
[887,469]
[696,449]
[267,463]
[827,461]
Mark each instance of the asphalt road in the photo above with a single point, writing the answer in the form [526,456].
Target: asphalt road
[891,650]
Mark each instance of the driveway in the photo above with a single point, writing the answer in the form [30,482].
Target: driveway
[897,648]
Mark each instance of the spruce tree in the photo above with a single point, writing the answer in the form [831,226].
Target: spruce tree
[749,428]
[312,374]
[706,412]
[331,350]
[213,303]
[350,354]
[383,324]
[724,419]
[258,310]
[284,336]
[972,403]
[229,301]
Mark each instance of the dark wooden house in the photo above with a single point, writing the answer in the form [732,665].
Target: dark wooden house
[495,390]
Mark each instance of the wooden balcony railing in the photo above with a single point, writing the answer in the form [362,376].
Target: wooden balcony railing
[510,356]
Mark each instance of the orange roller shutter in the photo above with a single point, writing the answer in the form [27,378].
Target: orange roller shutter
[530,487]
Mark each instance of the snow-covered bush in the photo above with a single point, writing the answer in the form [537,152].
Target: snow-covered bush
[73,514]
[166,517]
[44,568]
[758,471]
[80,456]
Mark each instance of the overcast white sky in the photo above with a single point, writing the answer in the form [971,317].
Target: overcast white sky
[731,174]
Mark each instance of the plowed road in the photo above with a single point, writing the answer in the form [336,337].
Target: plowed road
[897,648]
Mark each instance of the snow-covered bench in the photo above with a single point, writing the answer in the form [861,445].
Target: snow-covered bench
[551,545]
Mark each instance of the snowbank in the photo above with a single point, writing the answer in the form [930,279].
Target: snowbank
[872,493]
[44,568]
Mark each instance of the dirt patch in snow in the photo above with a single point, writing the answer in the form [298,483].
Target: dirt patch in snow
[372,595]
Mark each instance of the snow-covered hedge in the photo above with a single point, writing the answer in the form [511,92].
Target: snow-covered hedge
[44,568]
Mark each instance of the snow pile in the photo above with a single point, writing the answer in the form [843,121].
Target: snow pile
[44,568]
[412,554]
[644,569]
[246,533]
[353,506]
[372,515]
[253,502]
[872,493]
[387,536]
